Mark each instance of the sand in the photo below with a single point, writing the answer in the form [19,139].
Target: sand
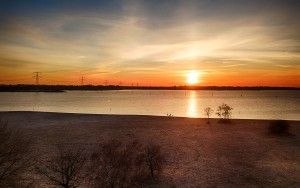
[240,154]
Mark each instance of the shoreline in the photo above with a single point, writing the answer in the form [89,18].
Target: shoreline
[135,116]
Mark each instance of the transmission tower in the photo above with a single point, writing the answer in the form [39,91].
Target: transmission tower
[37,76]
[82,79]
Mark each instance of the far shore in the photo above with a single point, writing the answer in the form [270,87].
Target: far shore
[62,88]
[237,154]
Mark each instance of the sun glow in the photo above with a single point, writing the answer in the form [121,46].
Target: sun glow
[192,77]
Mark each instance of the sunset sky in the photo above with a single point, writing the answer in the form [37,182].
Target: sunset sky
[155,42]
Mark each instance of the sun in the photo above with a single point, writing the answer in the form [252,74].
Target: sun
[192,77]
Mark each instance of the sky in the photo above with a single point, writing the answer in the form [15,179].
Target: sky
[152,43]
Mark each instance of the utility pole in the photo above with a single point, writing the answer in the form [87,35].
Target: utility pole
[37,76]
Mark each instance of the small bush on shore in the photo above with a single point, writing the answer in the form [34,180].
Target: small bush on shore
[279,127]
[224,111]
[208,112]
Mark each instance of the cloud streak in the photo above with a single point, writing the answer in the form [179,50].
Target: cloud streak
[149,38]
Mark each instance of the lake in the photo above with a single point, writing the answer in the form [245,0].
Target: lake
[246,104]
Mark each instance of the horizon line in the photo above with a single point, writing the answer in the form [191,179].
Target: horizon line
[145,86]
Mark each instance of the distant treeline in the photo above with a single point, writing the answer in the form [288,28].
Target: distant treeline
[62,88]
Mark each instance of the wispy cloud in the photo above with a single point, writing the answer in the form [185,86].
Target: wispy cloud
[147,37]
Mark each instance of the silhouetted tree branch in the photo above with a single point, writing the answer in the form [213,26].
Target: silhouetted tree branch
[154,159]
[16,156]
[116,164]
[224,112]
[66,168]
[207,112]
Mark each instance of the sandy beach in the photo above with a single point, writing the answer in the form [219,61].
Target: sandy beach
[241,153]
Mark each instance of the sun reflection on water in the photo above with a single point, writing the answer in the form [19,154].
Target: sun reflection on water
[192,104]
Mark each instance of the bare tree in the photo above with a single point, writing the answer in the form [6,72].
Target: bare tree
[66,168]
[224,112]
[207,112]
[119,164]
[154,159]
[116,164]
[16,157]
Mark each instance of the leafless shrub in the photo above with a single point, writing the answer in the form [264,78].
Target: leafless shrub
[116,164]
[207,112]
[224,112]
[16,157]
[154,159]
[66,168]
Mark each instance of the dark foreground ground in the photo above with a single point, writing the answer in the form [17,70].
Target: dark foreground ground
[239,154]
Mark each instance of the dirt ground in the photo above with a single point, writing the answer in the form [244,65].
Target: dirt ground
[239,154]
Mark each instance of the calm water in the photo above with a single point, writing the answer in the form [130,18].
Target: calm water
[246,104]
